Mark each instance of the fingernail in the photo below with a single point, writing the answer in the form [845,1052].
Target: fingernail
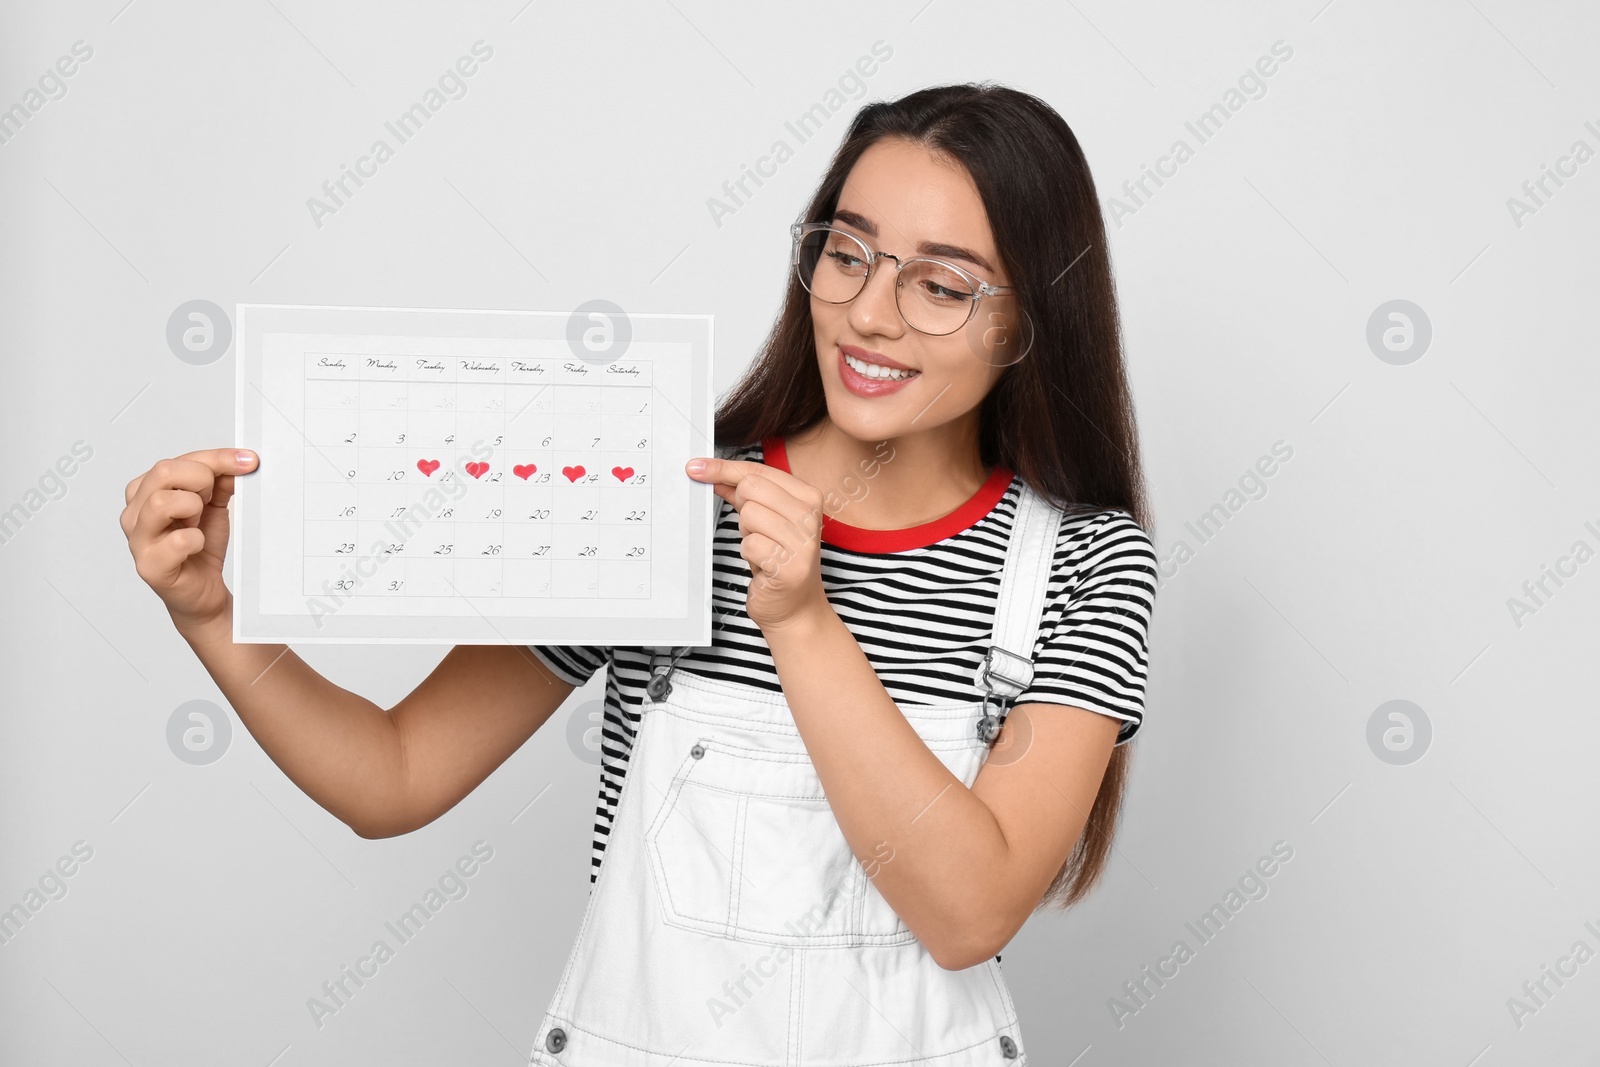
[695,466]
[245,457]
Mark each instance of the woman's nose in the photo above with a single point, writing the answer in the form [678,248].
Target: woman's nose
[875,306]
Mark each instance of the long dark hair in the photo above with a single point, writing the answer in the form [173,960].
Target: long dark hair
[1061,417]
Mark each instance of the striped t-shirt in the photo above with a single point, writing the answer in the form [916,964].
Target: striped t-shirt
[920,602]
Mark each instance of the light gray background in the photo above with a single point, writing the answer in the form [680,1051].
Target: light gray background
[1377,566]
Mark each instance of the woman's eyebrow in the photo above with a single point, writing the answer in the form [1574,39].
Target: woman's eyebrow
[926,248]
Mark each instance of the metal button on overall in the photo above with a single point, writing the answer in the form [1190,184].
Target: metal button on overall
[556,1040]
[1008,1047]
[697,751]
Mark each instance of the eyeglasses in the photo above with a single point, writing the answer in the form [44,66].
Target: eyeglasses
[934,297]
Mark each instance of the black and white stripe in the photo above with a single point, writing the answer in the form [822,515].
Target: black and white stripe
[923,617]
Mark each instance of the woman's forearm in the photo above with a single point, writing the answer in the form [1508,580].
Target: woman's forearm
[890,794]
[340,748]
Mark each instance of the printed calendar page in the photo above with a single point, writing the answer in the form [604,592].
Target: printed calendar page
[472,477]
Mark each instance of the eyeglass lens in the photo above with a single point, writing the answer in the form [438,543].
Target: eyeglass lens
[932,297]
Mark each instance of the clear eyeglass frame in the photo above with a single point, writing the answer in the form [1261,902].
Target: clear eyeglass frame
[980,288]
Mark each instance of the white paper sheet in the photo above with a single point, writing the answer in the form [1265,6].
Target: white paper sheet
[472,477]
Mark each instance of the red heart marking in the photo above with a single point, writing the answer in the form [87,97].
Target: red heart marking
[427,466]
[477,470]
[573,473]
[622,473]
[523,470]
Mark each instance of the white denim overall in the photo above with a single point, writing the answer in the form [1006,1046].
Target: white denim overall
[732,926]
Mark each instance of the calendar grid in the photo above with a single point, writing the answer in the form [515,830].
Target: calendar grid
[480,476]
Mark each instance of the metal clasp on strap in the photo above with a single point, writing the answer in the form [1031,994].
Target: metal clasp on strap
[1005,672]
[989,723]
[661,663]
[1004,675]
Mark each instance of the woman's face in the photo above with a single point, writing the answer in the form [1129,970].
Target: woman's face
[900,198]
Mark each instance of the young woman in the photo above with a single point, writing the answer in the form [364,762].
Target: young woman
[933,586]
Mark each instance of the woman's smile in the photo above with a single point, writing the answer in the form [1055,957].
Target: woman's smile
[868,377]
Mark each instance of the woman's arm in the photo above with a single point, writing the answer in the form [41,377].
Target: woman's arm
[968,866]
[382,772]
[964,868]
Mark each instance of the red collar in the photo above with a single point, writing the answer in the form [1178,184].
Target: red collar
[861,539]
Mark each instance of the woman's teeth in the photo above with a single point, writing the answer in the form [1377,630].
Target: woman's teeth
[878,370]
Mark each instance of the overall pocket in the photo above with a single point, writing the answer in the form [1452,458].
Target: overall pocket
[746,847]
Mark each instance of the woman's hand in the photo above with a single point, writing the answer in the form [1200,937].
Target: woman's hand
[176,523]
[780,521]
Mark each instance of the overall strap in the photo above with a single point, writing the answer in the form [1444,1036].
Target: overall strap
[663,658]
[1007,667]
